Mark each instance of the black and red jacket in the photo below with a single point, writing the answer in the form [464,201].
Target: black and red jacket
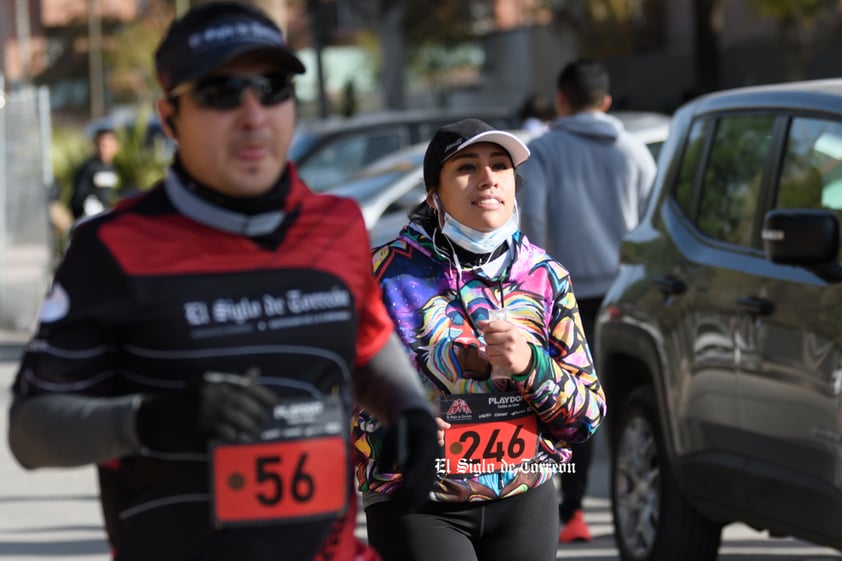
[168,286]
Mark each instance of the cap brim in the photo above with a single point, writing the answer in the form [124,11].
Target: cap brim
[283,56]
[512,144]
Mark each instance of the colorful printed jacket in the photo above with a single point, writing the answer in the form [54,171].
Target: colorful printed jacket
[428,300]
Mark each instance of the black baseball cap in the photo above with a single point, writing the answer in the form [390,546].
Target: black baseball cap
[210,34]
[451,138]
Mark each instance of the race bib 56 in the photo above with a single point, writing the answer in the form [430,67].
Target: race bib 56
[299,470]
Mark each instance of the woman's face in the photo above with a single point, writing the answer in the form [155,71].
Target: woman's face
[477,186]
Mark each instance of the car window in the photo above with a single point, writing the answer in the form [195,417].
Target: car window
[655,149]
[367,189]
[689,166]
[811,174]
[408,200]
[732,178]
[302,143]
[339,159]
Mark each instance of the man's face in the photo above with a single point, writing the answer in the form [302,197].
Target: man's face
[241,151]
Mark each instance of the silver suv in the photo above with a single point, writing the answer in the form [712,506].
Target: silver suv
[720,343]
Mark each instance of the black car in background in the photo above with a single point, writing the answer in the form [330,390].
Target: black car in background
[720,343]
[328,152]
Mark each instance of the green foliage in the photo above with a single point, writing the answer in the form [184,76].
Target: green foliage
[444,22]
[131,76]
[797,21]
[70,147]
[804,11]
[139,164]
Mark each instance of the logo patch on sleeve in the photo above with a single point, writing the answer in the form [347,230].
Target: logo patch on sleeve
[55,306]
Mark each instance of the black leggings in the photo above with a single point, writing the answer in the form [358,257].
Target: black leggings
[520,528]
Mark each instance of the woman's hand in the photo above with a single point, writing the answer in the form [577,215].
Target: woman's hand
[442,426]
[505,346]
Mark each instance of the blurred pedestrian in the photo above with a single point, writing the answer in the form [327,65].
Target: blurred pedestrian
[202,342]
[535,114]
[588,182]
[490,323]
[96,181]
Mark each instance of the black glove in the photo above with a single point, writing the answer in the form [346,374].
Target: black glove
[215,405]
[410,447]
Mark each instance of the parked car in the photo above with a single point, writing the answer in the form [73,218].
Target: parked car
[390,187]
[387,190]
[329,152]
[649,126]
[720,343]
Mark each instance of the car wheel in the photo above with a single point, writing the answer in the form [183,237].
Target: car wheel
[652,520]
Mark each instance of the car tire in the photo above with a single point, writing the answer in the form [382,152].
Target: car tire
[652,519]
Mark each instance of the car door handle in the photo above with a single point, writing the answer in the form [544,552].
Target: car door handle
[756,306]
[669,284]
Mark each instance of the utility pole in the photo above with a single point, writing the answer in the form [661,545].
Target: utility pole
[96,85]
[318,32]
[4,35]
[24,46]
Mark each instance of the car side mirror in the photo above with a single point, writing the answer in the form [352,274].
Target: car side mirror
[801,236]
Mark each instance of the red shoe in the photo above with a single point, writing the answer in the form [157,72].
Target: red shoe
[576,529]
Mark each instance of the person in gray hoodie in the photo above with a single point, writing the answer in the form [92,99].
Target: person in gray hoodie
[589,181]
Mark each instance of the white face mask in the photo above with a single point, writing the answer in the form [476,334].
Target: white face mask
[473,240]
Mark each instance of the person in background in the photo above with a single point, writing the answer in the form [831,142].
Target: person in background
[489,321]
[535,114]
[588,182]
[202,343]
[95,183]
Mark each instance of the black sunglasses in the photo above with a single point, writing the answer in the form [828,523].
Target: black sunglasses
[226,92]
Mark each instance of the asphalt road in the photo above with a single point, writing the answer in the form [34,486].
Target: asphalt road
[53,514]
